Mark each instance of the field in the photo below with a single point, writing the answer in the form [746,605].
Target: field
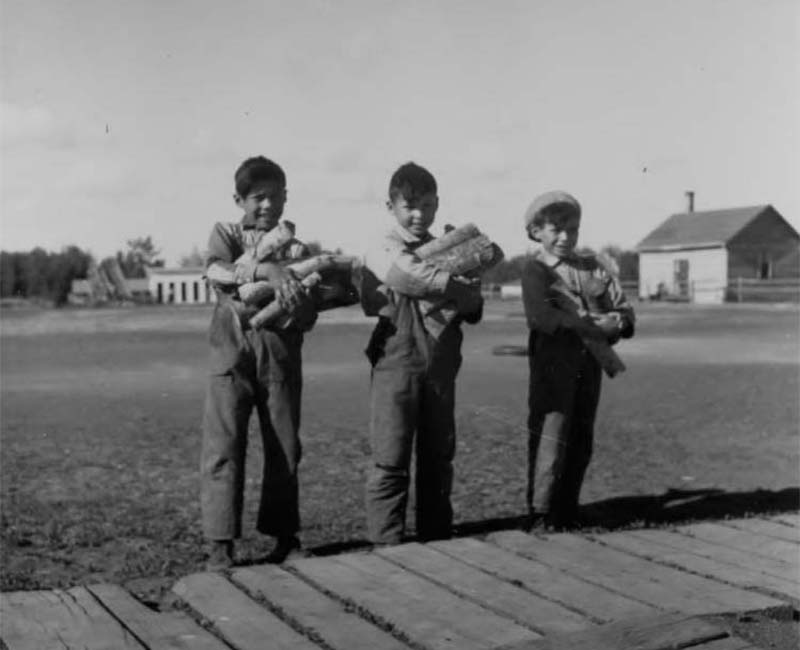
[101,412]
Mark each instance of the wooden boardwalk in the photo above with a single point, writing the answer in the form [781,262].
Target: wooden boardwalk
[642,589]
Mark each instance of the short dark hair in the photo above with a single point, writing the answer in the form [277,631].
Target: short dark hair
[257,170]
[410,181]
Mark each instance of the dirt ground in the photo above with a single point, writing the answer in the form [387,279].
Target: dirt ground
[100,434]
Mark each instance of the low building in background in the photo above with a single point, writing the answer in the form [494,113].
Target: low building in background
[179,286]
[711,256]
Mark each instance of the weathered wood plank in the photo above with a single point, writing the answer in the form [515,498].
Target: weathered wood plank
[486,590]
[664,632]
[731,643]
[243,622]
[424,612]
[757,544]
[594,601]
[723,563]
[788,518]
[158,631]
[325,617]
[67,620]
[771,529]
[653,583]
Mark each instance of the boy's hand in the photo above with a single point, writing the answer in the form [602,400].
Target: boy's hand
[287,285]
[290,293]
[608,324]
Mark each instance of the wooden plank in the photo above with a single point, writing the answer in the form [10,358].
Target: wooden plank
[731,643]
[244,623]
[788,518]
[658,585]
[486,590]
[663,632]
[730,556]
[771,529]
[425,613]
[732,538]
[707,559]
[594,601]
[323,616]
[73,619]
[158,631]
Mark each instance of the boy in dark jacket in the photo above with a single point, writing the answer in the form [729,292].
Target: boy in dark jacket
[575,309]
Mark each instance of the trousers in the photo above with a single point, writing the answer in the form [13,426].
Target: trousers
[257,370]
[564,392]
[412,403]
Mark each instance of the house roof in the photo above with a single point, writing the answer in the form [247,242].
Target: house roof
[700,229]
[183,270]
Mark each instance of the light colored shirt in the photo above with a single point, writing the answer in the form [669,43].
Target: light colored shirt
[228,242]
[391,268]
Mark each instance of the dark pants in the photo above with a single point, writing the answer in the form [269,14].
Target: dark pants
[261,370]
[412,392]
[563,397]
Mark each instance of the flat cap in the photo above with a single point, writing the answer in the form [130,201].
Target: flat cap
[550,198]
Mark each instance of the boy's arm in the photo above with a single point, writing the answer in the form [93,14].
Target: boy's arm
[621,307]
[540,310]
[222,267]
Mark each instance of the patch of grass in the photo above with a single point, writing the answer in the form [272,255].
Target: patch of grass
[101,434]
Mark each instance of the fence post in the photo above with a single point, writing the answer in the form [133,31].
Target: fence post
[739,289]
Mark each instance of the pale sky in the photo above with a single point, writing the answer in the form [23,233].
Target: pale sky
[122,119]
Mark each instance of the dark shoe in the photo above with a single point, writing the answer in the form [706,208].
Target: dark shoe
[286,548]
[220,555]
[539,522]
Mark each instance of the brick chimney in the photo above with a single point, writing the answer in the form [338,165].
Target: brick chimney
[689,201]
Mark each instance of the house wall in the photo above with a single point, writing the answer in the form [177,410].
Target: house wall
[766,248]
[706,279]
[180,288]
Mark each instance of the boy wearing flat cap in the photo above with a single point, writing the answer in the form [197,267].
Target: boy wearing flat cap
[573,305]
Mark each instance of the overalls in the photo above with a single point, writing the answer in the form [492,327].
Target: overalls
[250,368]
[412,392]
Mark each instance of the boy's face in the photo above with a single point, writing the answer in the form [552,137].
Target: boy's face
[415,213]
[263,206]
[558,238]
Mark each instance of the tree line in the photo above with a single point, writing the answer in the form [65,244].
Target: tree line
[48,276]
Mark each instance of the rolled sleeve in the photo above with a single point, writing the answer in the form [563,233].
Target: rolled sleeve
[223,263]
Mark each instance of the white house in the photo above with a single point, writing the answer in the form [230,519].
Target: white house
[697,255]
[179,285]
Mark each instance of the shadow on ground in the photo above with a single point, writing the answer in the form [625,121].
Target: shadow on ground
[672,507]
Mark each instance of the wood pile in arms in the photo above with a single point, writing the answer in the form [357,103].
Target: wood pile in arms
[326,278]
[600,349]
[462,251]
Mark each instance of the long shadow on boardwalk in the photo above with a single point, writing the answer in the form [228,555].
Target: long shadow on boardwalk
[655,510]
[674,506]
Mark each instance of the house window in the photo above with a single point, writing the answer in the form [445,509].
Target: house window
[196,293]
[764,266]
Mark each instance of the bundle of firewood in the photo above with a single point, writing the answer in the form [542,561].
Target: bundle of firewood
[462,251]
[326,278]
